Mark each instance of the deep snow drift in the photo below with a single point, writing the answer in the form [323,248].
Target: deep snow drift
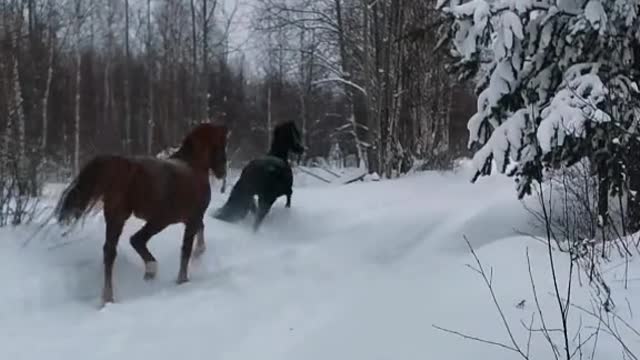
[359,271]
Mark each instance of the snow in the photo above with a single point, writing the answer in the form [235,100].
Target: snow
[359,271]
[596,15]
[571,109]
[511,27]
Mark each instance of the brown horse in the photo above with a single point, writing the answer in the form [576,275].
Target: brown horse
[160,191]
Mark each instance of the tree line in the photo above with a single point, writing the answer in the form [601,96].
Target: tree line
[401,107]
[80,77]
[84,77]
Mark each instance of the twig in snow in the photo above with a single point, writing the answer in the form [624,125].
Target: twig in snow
[474,338]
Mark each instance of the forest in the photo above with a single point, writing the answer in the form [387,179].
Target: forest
[361,80]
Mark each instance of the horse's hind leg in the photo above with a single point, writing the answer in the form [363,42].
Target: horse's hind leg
[200,247]
[115,223]
[288,194]
[139,242]
[187,245]
[253,208]
[264,205]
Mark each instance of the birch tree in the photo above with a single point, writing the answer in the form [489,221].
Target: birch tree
[127,87]
[150,71]
[78,20]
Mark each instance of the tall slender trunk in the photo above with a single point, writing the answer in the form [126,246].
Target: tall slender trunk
[373,132]
[18,110]
[346,69]
[378,47]
[127,90]
[194,70]
[305,79]
[397,87]
[150,121]
[269,116]
[387,87]
[4,147]
[107,120]
[446,117]
[47,89]
[108,102]
[205,60]
[76,129]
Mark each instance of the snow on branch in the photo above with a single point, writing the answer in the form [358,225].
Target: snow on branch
[506,137]
[575,105]
[344,81]
[546,70]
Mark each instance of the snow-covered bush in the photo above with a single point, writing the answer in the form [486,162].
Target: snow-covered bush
[557,81]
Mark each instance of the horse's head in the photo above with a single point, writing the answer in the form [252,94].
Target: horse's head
[206,147]
[286,137]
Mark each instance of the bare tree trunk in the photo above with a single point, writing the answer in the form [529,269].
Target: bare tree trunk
[194,70]
[306,73]
[378,66]
[18,110]
[373,133]
[108,102]
[347,70]
[127,89]
[206,17]
[446,118]
[47,89]
[8,130]
[150,121]
[387,96]
[205,60]
[76,130]
[269,125]
[396,87]
[108,92]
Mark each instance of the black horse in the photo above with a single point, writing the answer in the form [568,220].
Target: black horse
[268,177]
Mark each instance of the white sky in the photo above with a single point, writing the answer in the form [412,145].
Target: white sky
[240,32]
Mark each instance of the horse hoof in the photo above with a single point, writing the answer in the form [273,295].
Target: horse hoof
[107,300]
[182,280]
[149,276]
[150,270]
[199,251]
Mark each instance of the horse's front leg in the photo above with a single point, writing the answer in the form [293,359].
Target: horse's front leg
[187,245]
[288,204]
[201,247]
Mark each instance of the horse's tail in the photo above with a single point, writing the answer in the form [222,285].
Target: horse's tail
[89,186]
[238,204]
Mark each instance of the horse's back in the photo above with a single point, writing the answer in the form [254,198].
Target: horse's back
[269,174]
[165,189]
[110,174]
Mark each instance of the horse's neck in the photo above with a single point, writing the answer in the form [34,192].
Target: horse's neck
[194,163]
[279,153]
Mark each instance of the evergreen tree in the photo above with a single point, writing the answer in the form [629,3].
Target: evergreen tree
[557,81]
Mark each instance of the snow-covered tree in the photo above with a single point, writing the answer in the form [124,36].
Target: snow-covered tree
[557,81]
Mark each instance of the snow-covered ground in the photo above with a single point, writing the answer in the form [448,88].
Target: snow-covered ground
[356,272]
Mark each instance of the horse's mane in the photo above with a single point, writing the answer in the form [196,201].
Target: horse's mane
[199,135]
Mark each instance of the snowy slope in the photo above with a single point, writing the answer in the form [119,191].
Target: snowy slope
[359,271]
